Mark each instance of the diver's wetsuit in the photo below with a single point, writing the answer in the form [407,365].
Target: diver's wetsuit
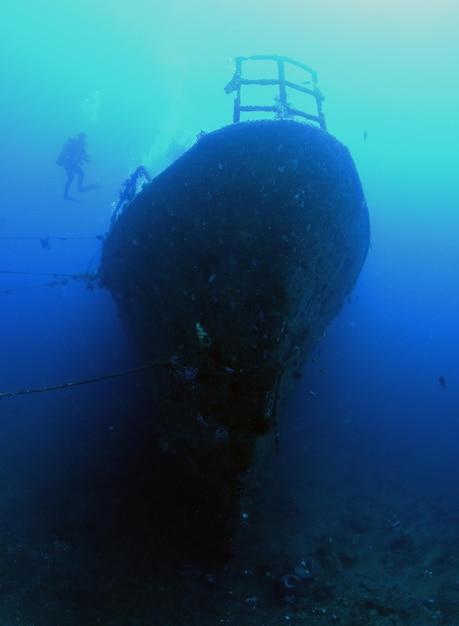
[72,156]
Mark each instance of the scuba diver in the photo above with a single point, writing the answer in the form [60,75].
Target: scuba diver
[72,155]
[129,189]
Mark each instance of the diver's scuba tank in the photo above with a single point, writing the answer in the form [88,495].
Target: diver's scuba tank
[63,153]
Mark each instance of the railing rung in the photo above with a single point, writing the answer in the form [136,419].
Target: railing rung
[281,108]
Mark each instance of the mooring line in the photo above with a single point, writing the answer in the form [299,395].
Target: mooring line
[170,363]
[86,381]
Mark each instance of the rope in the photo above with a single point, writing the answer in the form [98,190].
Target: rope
[45,244]
[44,240]
[65,238]
[218,440]
[90,278]
[55,274]
[85,381]
[167,363]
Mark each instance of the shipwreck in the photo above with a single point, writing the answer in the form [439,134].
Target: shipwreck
[226,269]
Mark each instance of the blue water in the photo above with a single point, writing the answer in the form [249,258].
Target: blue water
[142,81]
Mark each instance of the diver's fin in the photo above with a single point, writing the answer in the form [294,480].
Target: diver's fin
[89,187]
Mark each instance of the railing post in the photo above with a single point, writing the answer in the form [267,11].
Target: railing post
[237,100]
[323,124]
[282,90]
[281,107]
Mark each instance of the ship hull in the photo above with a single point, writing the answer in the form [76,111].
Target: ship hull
[226,270]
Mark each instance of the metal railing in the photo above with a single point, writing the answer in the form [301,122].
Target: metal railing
[281,106]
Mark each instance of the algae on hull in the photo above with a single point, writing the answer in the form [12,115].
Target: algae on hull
[226,269]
